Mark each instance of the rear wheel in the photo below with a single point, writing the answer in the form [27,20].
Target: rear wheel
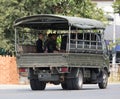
[104,80]
[75,83]
[37,85]
[64,85]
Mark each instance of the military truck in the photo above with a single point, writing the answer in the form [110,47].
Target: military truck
[83,57]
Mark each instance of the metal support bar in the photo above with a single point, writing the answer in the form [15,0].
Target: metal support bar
[76,39]
[69,38]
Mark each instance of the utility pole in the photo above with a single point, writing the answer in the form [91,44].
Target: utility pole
[114,42]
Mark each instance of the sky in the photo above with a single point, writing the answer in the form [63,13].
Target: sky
[107,7]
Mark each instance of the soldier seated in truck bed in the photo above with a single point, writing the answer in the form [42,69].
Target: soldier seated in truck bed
[39,43]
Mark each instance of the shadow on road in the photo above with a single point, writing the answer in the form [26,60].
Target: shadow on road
[49,88]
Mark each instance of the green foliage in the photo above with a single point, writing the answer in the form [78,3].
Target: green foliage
[116,6]
[10,10]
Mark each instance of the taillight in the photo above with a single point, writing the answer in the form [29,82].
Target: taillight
[22,70]
[63,69]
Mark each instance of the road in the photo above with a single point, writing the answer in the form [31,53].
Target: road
[55,92]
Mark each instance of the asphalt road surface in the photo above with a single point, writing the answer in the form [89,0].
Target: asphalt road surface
[56,92]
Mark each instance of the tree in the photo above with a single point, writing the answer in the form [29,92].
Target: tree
[116,6]
[10,10]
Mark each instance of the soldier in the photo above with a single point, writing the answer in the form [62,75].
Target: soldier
[39,43]
[51,44]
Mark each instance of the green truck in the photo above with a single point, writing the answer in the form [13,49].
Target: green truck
[83,57]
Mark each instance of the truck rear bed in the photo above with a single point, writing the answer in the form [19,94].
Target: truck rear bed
[61,59]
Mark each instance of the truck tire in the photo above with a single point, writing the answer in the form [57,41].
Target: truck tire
[104,80]
[37,85]
[75,83]
[64,85]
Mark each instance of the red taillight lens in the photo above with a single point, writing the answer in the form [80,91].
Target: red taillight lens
[22,70]
[63,69]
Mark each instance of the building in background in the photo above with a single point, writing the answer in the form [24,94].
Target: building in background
[106,5]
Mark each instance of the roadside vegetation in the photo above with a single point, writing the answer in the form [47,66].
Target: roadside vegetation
[116,6]
[10,10]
